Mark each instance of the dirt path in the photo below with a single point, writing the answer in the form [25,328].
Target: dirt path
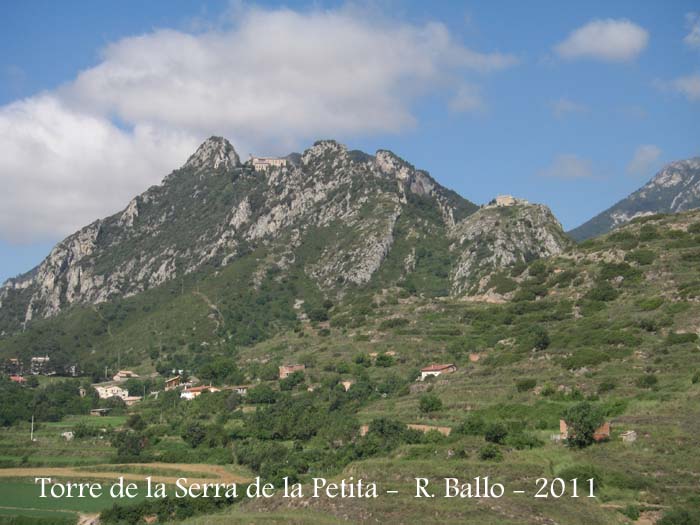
[219,318]
[218,473]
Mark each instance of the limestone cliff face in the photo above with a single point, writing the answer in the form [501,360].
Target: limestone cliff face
[500,234]
[215,209]
[344,219]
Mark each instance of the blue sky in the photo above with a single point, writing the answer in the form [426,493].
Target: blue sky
[574,106]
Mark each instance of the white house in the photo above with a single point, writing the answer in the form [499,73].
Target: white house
[195,391]
[107,391]
[436,370]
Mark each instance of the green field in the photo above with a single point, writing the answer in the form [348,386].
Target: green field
[21,498]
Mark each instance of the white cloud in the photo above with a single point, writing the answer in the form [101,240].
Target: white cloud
[62,169]
[467,99]
[567,166]
[688,85]
[692,39]
[644,159]
[563,106]
[609,40]
[270,82]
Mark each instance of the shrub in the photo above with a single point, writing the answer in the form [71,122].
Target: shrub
[677,516]
[641,257]
[495,432]
[394,322]
[539,337]
[675,338]
[631,511]
[525,384]
[502,284]
[194,434]
[648,233]
[624,270]
[384,361]
[522,441]
[429,403]
[696,378]
[602,291]
[582,420]
[490,452]
[473,425]
[647,381]
[606,386]
[648,325]
[582,473]
[652,303]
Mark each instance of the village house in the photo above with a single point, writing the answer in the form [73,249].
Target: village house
[286,370]
[196,391]
[239,389]
[264,163]
[71,370]
[13,366]
[436,370]
[40,365]
[107,391]
[99,412]
[18,379]
[601,433]
[173,382]
[123,375]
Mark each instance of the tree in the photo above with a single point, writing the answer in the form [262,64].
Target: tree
[262,394]
[540,337]
[194,434]
[582,421]
[384,361]
[128,444]
[136,422]
[292,380]
[429,403]
[495,432]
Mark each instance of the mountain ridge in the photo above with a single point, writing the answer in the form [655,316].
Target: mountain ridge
[369,210]
[675,188]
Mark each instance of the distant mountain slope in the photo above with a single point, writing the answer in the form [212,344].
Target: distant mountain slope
[341,220]
[675,188]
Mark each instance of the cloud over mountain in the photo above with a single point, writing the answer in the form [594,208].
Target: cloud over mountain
[272,79]
[608,40]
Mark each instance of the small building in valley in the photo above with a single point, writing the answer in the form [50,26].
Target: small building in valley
[196,391]
[286,370]
[99,412]
[239,389]
[123,375]
[40,365]
[107,391]
[18,379]
[436,370]
[173,382]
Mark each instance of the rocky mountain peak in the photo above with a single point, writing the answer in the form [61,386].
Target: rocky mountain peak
[673,189]
[214,153]
[323,149]
[505,232]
